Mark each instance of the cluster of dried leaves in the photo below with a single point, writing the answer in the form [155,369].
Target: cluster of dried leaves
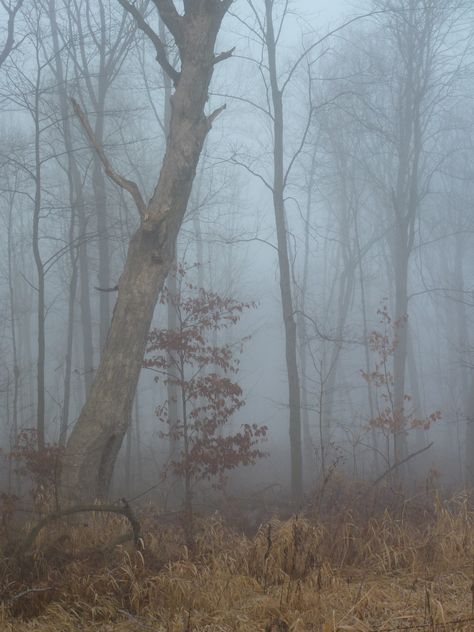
[406,567]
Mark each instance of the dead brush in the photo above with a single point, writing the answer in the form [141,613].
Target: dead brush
[284,550]
[387,545]
[353,575]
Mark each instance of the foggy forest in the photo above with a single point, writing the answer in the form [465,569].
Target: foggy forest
[236,315]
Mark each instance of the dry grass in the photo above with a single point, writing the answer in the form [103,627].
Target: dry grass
[400,568]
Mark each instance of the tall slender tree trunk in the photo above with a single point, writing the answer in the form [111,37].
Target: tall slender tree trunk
[406,199]
[84,291]
[400,354]
[27,395]
[363,302]
[13,322]
[346,292]
[64,421]
[172,285]
[41,359]
[309,456]
[74,195]
[465,375]
[415,391]
[291,343]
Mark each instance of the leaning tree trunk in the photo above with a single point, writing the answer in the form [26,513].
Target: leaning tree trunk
[96,439]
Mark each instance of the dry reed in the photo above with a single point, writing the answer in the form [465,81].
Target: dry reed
[393,570]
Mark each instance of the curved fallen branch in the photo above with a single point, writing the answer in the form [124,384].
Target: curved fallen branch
[123,509]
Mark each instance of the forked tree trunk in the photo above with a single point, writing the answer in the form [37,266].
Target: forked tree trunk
[96,439]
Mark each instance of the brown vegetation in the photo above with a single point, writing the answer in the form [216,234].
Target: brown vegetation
[353,570]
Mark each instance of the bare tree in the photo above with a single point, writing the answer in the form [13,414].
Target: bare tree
[267,29]
[410,66]
[420,33]
[97,436]
[98,57]
[29,92]
[76,203]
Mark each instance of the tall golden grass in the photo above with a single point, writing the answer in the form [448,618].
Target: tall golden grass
[409,567]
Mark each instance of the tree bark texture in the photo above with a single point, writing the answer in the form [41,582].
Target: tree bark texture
[97,436]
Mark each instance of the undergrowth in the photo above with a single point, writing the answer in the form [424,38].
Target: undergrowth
[401,564]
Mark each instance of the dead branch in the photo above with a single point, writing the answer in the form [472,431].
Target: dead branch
[107,289]
[212,117]
[124,509]
[397,465]
[224,55]
[28,591]
[124,183]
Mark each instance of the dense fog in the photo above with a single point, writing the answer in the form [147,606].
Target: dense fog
[333,200]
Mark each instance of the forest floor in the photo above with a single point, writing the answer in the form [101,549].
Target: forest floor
[339,566]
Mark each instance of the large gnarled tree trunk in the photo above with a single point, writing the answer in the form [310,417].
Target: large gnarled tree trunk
[96,439]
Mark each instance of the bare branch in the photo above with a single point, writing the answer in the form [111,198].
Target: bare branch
[300,146]
[244,100]
[124,509]
[252,172]
[261,25]
[171,18]
[258,35]
[323,336]
[225,55]
[107,289]
[245,240]
[212,117]
[10,41]
[122,182]
[161,56]
[307,51]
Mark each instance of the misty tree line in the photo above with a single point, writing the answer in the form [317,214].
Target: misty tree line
[343,161]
